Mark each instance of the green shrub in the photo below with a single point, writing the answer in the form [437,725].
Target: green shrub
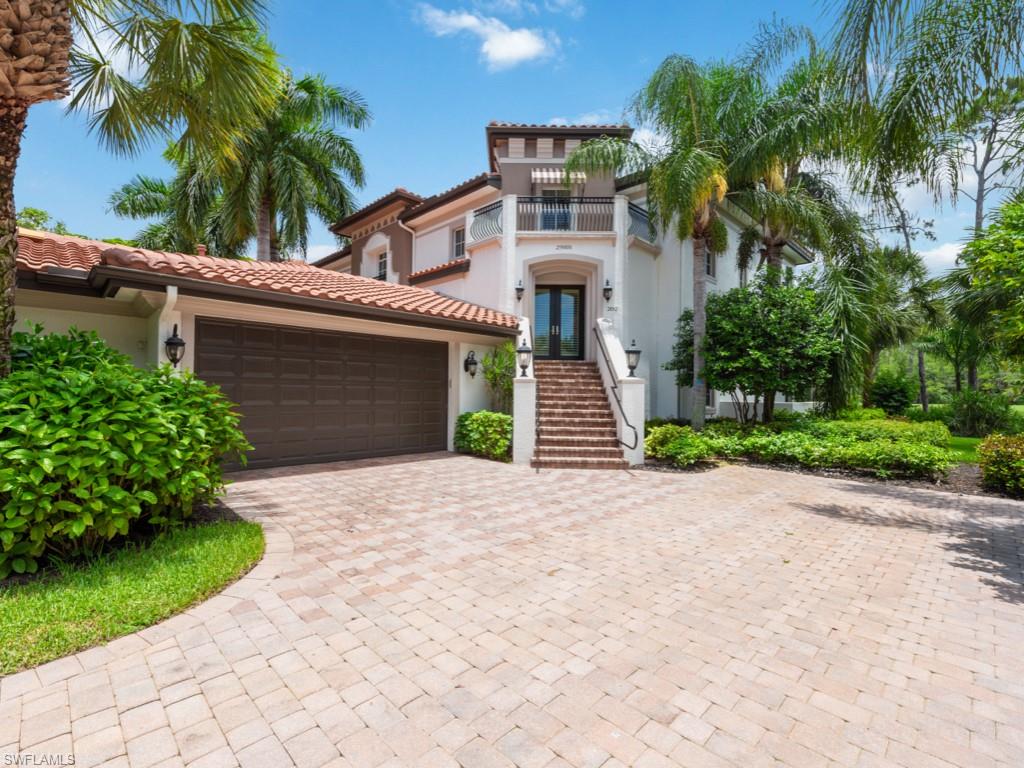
[659,422]
[680,445]
[936,412]
[92,446]
[484,433]
[976,414]
[860,414]
[931,432]
[1001,458]
[893,392]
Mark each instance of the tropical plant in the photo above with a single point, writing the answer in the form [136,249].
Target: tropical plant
[194,70]
[976,414]
[499,367]
[766,338]
[677,444]
[293,163]
[1001,459]
[698,109]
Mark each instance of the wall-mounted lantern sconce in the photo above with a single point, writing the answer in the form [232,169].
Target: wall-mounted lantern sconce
[632,358]
[519,290]
[607,290]
[174,347]
[524,353]
[469,364]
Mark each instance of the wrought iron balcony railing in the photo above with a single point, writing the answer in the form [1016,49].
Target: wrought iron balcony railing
[486,222]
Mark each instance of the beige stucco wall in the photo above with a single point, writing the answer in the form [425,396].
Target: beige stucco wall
[116,323]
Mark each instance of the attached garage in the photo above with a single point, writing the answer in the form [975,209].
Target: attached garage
[310,395]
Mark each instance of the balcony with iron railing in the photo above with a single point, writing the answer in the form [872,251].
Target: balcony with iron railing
[534,214]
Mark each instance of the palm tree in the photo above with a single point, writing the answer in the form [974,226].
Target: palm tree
[295,162]
[193,64]
[185,210]
[695,107]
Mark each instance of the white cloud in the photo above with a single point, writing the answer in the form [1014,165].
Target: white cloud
[571,8]
[941,257]
[501,46]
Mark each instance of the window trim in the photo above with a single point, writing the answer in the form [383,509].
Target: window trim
[710,264]
[382,261]
[455,254]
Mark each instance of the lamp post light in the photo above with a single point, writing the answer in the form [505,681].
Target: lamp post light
[520,289]
[632,358]
[607,291]
[524,353]
[174,347]
[469,364]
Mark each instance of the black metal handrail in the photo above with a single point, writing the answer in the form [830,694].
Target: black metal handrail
[565,214]
[486,222]
[615,390]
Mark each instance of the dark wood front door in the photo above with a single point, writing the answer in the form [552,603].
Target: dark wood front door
[558,320]
[308,395]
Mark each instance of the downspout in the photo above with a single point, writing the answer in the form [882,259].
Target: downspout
[161,323]
[412,253]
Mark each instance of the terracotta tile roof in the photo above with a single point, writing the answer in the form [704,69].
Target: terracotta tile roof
[397,195]
[38,251]
[338,254]
[456,265]
[480,180]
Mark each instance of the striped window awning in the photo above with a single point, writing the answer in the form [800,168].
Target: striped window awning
[556,176]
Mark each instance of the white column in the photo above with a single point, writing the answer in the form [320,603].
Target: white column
[513,272]
[161,326]
[621,223]
[524,404]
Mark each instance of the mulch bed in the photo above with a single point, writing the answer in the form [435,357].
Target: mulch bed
[964,479]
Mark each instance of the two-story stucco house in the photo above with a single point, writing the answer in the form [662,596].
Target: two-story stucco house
[369,352]
[578,262]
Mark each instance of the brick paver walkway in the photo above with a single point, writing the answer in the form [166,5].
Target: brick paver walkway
[446,611]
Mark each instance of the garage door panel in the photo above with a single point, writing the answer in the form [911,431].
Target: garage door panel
[310,395]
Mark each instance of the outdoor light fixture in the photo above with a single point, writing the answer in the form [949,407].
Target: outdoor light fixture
[632,358]
[523,354]
[607,290]
[174,347]
[469,364]
[519,291]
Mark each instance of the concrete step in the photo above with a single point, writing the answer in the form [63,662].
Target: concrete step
[577,422]
[545,451]
[574,463]
[577,431]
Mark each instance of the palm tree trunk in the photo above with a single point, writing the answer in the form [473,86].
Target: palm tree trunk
[972,376]
[773,261]
[700,295]
[870,369]
[12,127]
[922,379]
[958,373]
[264,231]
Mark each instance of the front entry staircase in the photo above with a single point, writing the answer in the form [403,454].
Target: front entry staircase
[575,423]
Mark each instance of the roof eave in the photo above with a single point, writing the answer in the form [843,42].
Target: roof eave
[108,279]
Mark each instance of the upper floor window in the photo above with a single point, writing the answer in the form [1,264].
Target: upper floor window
[458,243]
[710,263]
[382,266]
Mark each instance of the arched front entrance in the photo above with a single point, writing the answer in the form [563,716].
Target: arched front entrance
[563,296]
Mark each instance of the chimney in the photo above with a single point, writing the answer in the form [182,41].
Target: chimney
[200,249]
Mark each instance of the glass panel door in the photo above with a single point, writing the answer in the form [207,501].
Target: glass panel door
[542,322]
[555,209]
[557,319]
[569,322]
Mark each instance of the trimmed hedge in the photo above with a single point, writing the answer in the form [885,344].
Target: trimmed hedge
[93,446]
[1001,458]
[881,446]
[484,433]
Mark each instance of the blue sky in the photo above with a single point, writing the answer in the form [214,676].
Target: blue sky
[434,74]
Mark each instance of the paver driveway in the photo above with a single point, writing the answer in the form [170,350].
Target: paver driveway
[449,611]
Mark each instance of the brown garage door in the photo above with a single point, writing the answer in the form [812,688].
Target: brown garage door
[308,395]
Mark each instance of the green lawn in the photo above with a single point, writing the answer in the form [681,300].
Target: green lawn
[965,448]
[1018,408]
[120,593]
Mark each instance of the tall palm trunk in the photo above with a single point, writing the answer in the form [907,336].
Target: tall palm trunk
[13,112]
[972,376]
[922,380]
[700,295]
[265,231]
